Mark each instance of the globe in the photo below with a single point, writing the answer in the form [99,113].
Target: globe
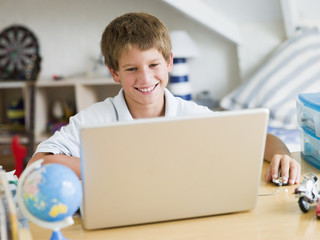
[49,194]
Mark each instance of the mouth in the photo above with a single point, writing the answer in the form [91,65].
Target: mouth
[147,89]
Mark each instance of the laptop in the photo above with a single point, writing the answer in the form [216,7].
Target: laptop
[161,169]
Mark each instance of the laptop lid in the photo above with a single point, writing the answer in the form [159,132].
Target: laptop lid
[162,169]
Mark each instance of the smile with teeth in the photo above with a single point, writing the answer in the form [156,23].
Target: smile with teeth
[145,90]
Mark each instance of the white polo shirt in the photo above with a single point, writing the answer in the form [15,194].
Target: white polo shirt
[67,140]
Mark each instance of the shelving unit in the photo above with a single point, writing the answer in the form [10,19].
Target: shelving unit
[9,91]
[79,92]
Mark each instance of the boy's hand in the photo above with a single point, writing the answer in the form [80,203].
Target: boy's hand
[290,169]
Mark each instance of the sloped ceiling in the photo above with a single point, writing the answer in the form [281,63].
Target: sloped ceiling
[225,16]
[246,11]
[207,15]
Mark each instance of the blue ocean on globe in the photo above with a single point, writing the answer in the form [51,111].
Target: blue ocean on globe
[52,192]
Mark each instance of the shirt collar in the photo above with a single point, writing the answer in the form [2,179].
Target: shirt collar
[171,104]
[121,107]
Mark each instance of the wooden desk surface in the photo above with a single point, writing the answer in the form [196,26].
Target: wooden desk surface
[275,217]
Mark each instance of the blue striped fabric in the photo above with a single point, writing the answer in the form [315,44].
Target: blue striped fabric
[292,69]
[179,83]
[177,79]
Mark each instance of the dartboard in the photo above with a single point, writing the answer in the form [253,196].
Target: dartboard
[18,51]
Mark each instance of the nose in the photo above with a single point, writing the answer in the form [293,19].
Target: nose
[144,75]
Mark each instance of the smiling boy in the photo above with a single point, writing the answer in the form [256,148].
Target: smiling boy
[137,51]
[145,76]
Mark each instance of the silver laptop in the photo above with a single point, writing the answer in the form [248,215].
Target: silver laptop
[160,169]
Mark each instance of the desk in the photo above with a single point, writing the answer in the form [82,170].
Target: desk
[275,217]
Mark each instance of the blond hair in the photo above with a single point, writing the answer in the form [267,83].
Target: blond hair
[140,30]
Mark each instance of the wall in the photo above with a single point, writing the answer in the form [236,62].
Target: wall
[260,40]
[262,28]
[69,34]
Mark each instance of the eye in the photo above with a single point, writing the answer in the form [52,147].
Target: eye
[153,65]
[131,69]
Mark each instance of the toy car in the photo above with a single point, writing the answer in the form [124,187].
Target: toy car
[308,192]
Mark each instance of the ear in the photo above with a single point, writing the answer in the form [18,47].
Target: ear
[170,63]
[114,75]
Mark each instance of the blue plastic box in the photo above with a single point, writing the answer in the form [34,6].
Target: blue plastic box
[310,149]
[308,112]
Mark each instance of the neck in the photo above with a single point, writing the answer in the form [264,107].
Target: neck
[147,111]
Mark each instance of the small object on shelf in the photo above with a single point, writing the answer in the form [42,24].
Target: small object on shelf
[98,68]
[19,153]
[61,112]
[69,76]
[57,110]
[57,77]
[15,112]
[55,126]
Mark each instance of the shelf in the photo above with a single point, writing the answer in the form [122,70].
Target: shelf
[7,131]
[76,81]
[80,92]
[7,139]
[77,92]
[12,84]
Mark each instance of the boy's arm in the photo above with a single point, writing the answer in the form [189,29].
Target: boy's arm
[69,161]
[277,153]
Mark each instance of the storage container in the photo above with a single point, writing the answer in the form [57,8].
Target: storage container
[308,112]
[310,149]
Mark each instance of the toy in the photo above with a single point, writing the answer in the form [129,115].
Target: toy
[15,112]
[61,111]
[308,192]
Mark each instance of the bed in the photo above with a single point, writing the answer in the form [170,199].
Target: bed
[292,69]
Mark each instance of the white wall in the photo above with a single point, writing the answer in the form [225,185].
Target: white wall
[260,40]
[263,33]
[69,34]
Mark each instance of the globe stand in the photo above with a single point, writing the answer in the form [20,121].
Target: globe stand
[55,226]
[57,235]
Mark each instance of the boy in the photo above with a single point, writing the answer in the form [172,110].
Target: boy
[137,51]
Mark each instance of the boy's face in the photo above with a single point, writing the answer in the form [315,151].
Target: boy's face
[143,76]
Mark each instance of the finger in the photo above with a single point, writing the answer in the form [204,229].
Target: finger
[293,172]
[274,166]
[297,180]
[285,166]
[268,174]
[299,175]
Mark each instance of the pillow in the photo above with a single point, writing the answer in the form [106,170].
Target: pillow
[292,69]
